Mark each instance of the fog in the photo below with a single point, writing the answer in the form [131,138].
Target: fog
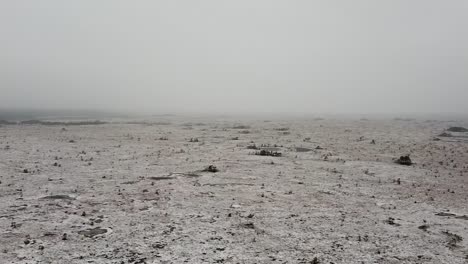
[362,56]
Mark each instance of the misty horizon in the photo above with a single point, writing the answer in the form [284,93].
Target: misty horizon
[388,57]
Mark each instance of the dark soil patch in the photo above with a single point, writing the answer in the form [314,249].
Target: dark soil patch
[161,178]
[58,197]
[303,149]
[270,153]
[129,182]
[445,134]
[457,129]
[48,123]
[241,127]
[92,232]
[270,148]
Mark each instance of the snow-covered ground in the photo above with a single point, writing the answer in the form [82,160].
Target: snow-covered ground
[137,193]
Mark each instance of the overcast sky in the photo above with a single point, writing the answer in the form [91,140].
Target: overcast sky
[357,56]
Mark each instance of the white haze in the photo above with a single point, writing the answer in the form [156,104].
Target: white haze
[361,56]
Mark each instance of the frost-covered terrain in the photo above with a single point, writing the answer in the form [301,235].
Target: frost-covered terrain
[138,192]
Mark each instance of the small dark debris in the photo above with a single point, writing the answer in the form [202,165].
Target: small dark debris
[248,225]
[159,245]
[252,146]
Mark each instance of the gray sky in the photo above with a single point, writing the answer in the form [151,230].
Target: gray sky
[357,56]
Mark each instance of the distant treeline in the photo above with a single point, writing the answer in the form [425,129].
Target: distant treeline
[53,123]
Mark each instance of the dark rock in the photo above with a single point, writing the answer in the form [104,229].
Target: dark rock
[404,160]
[211,168]
[423,227]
